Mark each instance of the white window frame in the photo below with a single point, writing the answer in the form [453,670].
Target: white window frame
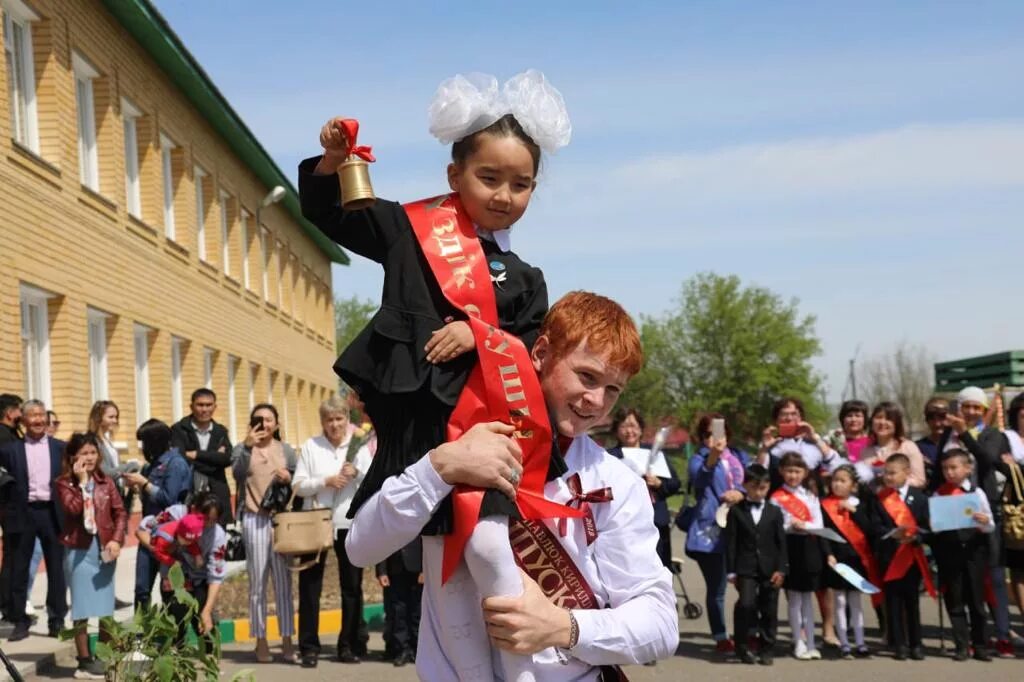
[98,352]
[177,406]
[85,102]
[252,386]
[208,367]
[232,409]
[280,274]
[35,337]
[21,72]
[132,187]
[167,147]
[225,233]
[243,222]
[140,339]
[197,175]
[264,234]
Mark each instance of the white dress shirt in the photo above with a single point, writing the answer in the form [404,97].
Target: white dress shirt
[809,499]
[621,566]
[756,510]
[318,460]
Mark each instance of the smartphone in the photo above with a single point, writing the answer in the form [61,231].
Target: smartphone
[256,422]
[788,429]
[954,407]
[717,429]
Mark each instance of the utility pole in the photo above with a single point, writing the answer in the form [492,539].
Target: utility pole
[853,371]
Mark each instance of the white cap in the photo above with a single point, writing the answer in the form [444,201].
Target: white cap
[972,394]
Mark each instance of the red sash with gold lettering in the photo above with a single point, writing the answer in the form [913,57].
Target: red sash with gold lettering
[843,521]
[793,504]
[503,385]
[907,554]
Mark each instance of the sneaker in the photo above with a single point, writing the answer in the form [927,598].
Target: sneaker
[815,654]
[845,653]
[800,651]
[90,669]
[29,609]
[725,646]
[1004,649]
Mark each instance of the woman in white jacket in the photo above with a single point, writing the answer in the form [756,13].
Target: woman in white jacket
[331,466]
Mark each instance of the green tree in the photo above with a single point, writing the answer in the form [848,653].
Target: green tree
[351,315]
[730,349]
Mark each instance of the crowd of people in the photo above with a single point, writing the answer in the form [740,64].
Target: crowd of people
[829,518]
[70,503]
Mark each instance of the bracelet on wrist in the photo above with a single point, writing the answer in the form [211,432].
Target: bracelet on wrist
[574,631]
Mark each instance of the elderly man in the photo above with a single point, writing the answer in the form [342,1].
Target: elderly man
[31,511]
[330,468]
[606,600]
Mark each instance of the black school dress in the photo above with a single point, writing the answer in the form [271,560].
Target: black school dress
[408,399]
[845,553]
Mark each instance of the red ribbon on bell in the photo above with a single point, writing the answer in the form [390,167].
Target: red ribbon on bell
[349,127]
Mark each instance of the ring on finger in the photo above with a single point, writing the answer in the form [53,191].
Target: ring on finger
[514,478]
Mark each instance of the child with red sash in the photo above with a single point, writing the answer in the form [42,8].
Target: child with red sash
[844,514]
[900,515]
[963,558]
[801,512]
[449,346]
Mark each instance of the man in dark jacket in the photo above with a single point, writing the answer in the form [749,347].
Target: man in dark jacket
[31,511]
[401,576]
[207,446]
[10,418]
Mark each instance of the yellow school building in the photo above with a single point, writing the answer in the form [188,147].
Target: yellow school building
[149,245]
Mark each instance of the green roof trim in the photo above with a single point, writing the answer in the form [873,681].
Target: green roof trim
[156,37]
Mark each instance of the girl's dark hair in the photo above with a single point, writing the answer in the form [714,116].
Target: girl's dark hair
[793,459]
[849,469]
[781,403]
[506,126]
[273,410]
[205,502]
[155,437]
[1013,412]
[703,427]
[893,413]
[851,406]
[74,445]
[622,415]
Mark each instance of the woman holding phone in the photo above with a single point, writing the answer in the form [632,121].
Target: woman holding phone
[94,527]
[792,434]
[258,462]
[716,478]
[628,426]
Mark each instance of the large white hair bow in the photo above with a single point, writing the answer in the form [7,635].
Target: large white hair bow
[467,104]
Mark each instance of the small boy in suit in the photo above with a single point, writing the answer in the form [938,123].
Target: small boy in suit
[756,563]
[901,515]
[963,556]
[401,577]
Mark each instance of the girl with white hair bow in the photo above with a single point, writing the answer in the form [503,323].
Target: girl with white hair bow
[410,364]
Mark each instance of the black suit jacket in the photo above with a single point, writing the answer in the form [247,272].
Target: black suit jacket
[12,458]
[755,551]
[669,487]
[211,462]
[409,559]
[883,524]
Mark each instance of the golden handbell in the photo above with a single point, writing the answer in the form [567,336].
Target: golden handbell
[356,189]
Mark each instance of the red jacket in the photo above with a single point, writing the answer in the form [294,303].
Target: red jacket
[111,517]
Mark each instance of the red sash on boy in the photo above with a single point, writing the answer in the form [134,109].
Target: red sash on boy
[503,385]
[793,504]
[848,528]
[948,488]
[910,553]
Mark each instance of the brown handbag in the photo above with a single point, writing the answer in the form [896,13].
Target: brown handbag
[1013,512]
[301,533]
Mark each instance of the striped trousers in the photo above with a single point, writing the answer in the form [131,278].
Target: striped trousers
[259,557]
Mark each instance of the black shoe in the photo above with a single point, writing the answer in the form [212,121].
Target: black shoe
[981,654]
[309,660]
[346,656]
[745,656]
[404,658]
[901,653]
[53,630]
[845,653]
[917,654]
[20,633]
[766,659]
[862,652]
[961,655]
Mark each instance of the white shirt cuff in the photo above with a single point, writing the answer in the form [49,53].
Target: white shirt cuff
[434,488]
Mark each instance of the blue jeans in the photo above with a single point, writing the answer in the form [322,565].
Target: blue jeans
[147,568]
[712,567]
[1001,610]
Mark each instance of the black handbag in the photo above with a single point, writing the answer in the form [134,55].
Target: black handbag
[277,497]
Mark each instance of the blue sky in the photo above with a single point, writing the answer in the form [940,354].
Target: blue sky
[864,157]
